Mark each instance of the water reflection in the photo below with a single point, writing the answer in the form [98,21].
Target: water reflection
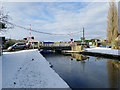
[97,58]
[81,71]
[113,69]
[78,57]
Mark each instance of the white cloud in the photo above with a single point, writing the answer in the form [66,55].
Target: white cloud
[93,17]
[58,0]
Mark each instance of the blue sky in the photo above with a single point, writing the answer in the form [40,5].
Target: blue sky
[58,17]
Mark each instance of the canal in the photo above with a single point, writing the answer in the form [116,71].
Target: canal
[80,71]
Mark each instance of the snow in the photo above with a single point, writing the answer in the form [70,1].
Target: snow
[0,72]
[103,50]
[29,69]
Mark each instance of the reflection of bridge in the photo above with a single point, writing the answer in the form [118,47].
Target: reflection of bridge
[56,46]
[79,57]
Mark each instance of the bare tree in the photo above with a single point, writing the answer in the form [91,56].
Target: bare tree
[112,22]
[4,20]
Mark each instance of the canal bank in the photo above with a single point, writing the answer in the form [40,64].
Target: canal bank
[104,52]
[97,51]
[29,69]
[0,72]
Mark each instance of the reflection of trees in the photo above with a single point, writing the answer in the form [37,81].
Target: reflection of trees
[97,58]
[113,68]
[79,57]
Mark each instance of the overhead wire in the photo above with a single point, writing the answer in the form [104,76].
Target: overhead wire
[40,31]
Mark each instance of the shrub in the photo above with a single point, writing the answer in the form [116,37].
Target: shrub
[8,43]
[115,44]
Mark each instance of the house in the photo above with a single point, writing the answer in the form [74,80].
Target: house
[47,43]
[34,43]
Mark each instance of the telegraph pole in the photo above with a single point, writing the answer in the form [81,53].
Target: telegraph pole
[30,33]
[30,40]
[83,35]
[83,38]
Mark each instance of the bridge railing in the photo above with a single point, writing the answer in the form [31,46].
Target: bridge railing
[55,45]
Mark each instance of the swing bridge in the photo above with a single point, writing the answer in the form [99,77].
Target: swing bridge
[51,46]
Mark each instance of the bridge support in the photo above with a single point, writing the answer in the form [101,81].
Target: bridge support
[77,48]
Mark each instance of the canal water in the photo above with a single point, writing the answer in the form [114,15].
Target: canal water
[80,71]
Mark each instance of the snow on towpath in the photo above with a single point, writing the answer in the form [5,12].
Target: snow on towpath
[29,69]
[0,72]
[103,50]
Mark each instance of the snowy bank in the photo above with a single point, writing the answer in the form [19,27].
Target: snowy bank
[103,50]
[29,69]
[0,72]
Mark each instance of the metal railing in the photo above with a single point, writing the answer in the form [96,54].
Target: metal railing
[55,45]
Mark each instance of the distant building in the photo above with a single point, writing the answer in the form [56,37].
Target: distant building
[102,40]
[27,38]
[34,43]
[90,43]
[48,42]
